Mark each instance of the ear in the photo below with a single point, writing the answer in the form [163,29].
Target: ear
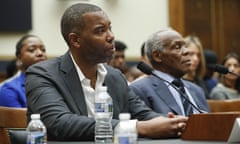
[74,40]
[157,56]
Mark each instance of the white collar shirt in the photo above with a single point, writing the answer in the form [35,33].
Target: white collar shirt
[89,92]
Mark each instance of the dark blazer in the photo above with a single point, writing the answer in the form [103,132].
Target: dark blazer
[157,96]
[54,90]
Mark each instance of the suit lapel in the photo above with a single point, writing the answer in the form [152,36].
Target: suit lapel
[193,94]
[163,92]
[112,92]
[70,75]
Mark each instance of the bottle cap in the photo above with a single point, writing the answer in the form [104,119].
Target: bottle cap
[35,116]
[124,116]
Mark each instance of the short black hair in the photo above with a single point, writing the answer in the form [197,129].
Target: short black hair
[19,44]
[119,45]
[11,68]
[143,51]
[210,58]
[72,18]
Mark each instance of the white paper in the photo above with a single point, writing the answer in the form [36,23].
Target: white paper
[235,133]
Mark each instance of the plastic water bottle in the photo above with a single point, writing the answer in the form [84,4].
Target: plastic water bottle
[36,131]
[125,132]
[103,116]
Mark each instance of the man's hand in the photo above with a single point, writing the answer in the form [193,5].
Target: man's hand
[162,127]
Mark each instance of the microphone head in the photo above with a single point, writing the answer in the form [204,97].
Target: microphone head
[221,69]
[145,68]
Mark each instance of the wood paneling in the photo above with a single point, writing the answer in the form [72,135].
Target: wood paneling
[214,21]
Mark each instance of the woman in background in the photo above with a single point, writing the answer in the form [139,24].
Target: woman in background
[29,50]
[228,87]
[198,66]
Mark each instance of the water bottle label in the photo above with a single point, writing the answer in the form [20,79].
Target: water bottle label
[102,107]
[36,138]
[110,107]
[123,140]
[99,107]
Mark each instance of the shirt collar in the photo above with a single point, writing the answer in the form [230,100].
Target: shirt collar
[165,76]
[102,72]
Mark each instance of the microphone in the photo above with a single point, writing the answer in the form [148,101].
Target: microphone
[148,70]
[223,70]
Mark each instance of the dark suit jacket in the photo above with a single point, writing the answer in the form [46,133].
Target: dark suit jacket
[157,96]
[54,90]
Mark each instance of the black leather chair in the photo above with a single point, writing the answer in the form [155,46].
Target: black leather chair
[17,136]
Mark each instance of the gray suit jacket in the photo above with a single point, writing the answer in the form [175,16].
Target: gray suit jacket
[157,96]
[54,90]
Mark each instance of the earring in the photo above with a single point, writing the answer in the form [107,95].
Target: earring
[19,63]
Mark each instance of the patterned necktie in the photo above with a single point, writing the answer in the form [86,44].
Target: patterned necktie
[186,105]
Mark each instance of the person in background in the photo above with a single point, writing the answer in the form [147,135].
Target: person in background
[171,60]
[198,65]
[133,72]
[144,57]
[29,50]
[209,78]
[62,89]
[118,60]
[228,86]
[11,68]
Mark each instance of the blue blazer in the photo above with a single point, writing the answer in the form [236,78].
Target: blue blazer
[157,96]
[12,91]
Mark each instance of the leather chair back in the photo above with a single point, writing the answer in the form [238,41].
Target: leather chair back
[11,118]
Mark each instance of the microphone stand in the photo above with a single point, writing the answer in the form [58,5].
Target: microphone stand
[222,70]
[234,73]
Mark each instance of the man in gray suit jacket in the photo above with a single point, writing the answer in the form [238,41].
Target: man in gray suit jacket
[61,89]
[170,59]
